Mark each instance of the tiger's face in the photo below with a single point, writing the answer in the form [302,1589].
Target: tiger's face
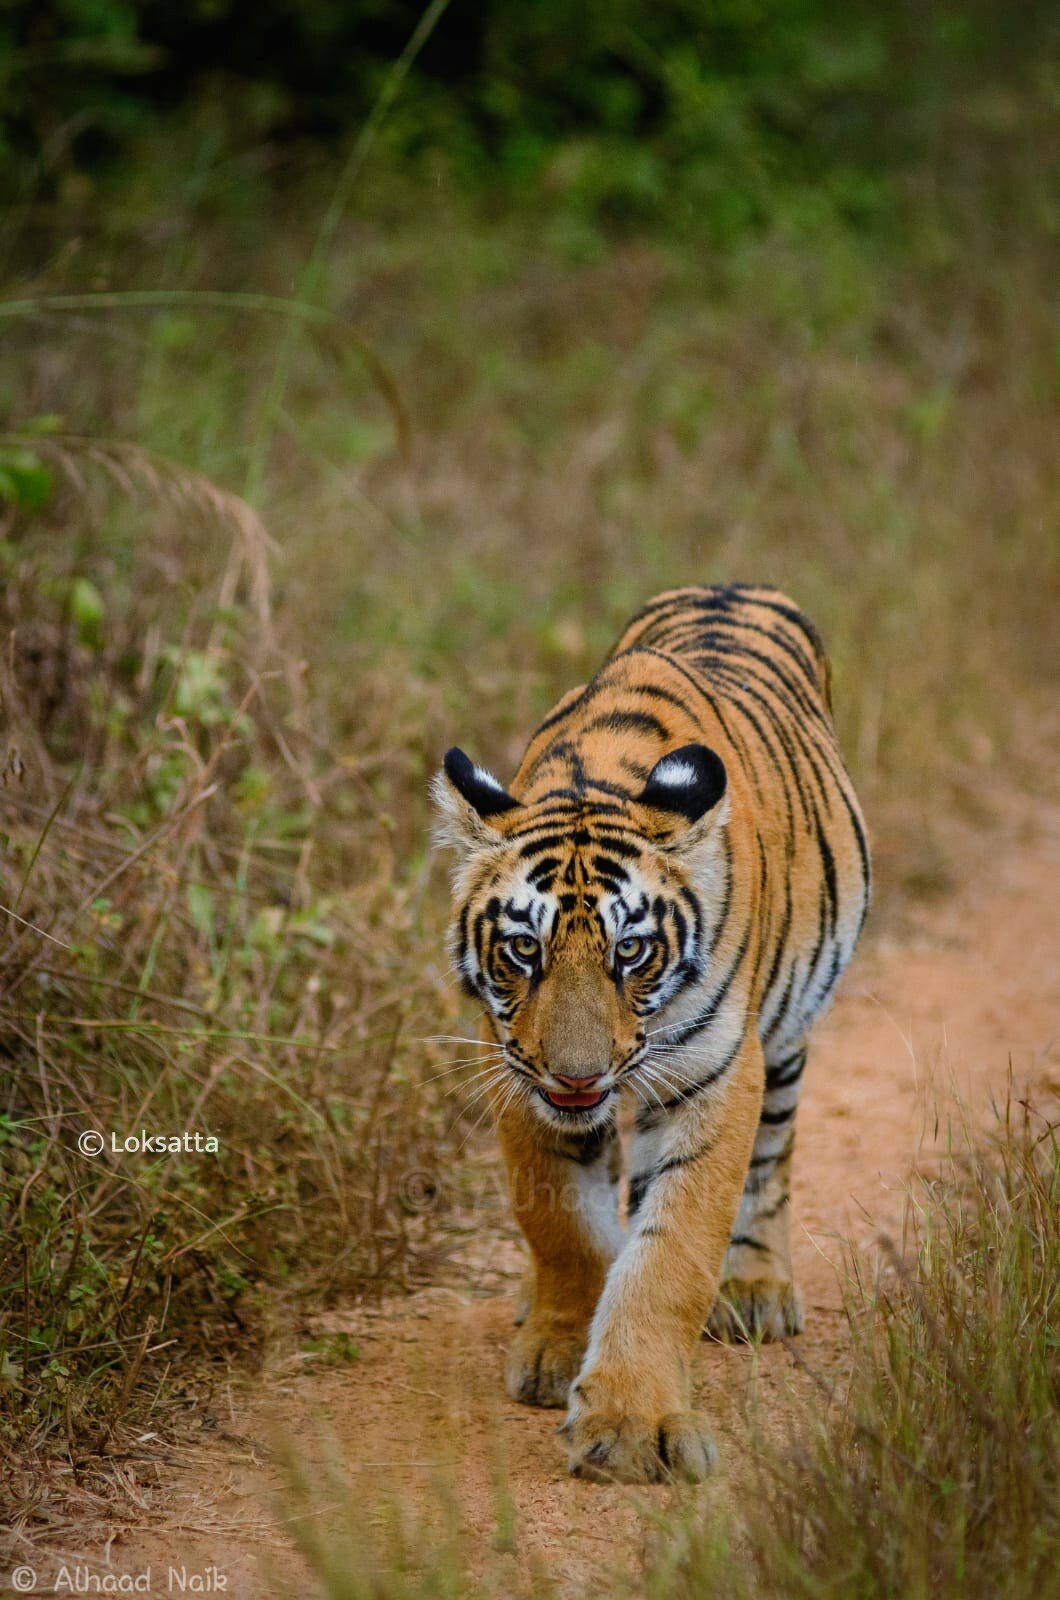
[575,931]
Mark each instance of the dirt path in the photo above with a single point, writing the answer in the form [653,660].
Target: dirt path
[972,984]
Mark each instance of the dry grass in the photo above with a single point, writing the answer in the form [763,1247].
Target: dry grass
[183,949]
[935,1473]
[394,1553]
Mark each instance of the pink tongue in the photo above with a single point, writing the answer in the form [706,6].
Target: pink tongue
[577,1097]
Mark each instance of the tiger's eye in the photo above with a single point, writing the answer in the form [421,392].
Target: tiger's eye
[629,949]
[524,945]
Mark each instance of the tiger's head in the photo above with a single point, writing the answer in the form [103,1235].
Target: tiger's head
[580,915]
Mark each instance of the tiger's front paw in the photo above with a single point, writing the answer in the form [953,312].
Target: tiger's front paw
[755,1308]
[609,1447]
[542,1364]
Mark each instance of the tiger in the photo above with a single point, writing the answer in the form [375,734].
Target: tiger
[653,913]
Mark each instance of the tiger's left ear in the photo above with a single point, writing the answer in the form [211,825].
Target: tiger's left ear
[688,787]
[466,797]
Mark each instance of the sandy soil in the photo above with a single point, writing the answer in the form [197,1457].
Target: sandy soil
[969,988]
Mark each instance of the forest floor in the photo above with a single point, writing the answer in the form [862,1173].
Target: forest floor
[957,999]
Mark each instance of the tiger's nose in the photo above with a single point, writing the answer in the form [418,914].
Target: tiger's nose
[584,1081]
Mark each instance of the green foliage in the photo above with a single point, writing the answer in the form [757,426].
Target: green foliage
[334,1349]
[718,118]
[87,611]
[25,481]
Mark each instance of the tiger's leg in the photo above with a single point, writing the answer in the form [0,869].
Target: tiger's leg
[564,1194]
[630,1412]
[758,1297]
[609,1199]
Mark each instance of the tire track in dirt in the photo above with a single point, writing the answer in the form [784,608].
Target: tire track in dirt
[972,987]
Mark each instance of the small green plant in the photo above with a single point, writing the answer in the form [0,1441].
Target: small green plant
[334,1349]
[25,480]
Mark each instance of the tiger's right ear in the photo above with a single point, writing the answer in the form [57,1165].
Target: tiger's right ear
[465,798]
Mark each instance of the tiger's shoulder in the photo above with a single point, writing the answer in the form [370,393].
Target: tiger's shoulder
[693,664]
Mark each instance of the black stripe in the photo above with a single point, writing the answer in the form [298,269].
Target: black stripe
[749,594]
[778,955]
[783,769]
[571,801]
[548,841]
[651,691]
[822,745]
[641,1182]
[806,664]
[610,868]
[786,1072]
[563,712]
[626,722]
[674,1162]
[588,1147]
[783,1154]
[724,638]
[785,999]
[785,763]
[699,1084]
[724,600]
[703,1019]
[837,787]
[619,846]
[634,769]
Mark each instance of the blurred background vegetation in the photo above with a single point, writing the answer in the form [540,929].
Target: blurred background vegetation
[712,118]
[363,367]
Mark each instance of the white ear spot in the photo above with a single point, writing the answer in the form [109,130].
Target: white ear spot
[689,781]
[676,774]
[482,776]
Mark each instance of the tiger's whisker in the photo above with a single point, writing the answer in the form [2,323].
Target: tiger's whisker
[499,1111]
[485,1088]
[645,1083]
[491,1075]
[458,1066]
[453,1038]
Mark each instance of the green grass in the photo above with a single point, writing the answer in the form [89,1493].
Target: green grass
[491,436]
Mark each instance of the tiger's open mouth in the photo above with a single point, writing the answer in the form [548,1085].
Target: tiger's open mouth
[576,1100]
